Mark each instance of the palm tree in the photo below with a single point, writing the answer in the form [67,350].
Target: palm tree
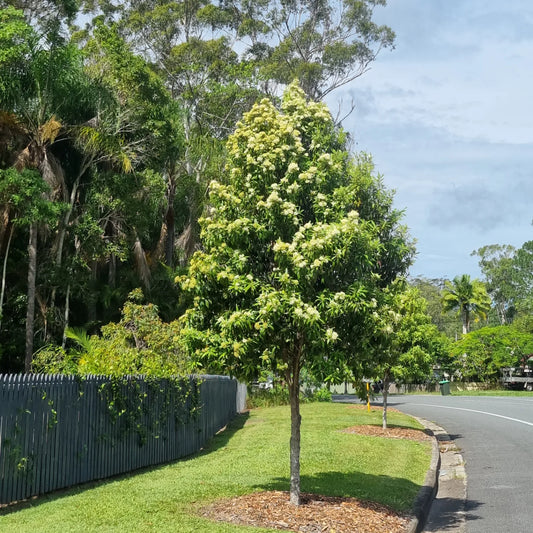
[43,88]
[468,297]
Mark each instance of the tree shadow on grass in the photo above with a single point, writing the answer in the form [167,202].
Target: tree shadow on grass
[397,493]
[220,440]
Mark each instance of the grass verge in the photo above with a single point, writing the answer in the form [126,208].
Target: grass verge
[251,455]
[494,392]
[488,392]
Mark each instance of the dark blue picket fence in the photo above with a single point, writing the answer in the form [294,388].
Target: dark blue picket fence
[57,431]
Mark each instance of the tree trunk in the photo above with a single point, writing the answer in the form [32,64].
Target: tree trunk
[386,378]
[30,309]
[502,313]
[112,272]
[170,221]
[4,224]
[4,269]
[296,420]
[60,242]
[92,296]
[293,380]
[67,312]
[466,321]
[159,250]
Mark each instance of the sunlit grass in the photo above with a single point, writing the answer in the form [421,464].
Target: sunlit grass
[454,392]
[495,392]
[251,455]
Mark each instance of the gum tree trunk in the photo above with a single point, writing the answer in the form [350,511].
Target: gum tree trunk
[4,269]
[30,309]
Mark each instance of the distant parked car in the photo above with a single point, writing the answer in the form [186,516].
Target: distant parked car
[268,384]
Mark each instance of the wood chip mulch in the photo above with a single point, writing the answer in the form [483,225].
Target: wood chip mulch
[364,407]
[317,514]
[392,432]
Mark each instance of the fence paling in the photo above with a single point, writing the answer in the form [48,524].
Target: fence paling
[56,431]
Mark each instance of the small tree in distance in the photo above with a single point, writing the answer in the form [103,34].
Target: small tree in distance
[289,264]
[407,343]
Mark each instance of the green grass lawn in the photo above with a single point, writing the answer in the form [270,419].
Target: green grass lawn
[495,392]
[251,455]
[489,392]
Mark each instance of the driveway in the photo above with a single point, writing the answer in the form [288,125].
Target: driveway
[495,435]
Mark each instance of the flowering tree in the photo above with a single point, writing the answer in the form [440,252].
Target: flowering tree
[289,264]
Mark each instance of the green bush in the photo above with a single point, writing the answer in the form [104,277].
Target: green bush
[322,395]
[279,395]
[140,344]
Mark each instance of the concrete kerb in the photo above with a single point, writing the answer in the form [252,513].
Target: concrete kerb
[428,491]
[441,503]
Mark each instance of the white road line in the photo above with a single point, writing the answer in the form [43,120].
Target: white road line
[476,411]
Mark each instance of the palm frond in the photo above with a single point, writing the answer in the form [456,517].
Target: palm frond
[104,145]
[80,336]
[49,131]
[189,240]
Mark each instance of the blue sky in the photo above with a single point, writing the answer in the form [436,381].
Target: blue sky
[448,119]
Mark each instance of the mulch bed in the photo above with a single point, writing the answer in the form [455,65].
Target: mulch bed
[372,408]
[317,514]
[392,432]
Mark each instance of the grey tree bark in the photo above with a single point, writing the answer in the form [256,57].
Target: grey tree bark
[30,308]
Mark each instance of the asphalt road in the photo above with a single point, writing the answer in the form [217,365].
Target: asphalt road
[495,436]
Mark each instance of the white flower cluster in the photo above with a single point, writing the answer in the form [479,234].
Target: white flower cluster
[274,202]
[331,335]
[266,140]
[327,163]
[314,245]
[304,311]
[309,175]
[294,101]
[293,167]
[239,226]
[269,303]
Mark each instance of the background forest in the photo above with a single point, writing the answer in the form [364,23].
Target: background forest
[114,117]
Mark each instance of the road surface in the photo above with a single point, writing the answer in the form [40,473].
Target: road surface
[495,435]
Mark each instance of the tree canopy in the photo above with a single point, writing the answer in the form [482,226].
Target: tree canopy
[405,343]
[480,354]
